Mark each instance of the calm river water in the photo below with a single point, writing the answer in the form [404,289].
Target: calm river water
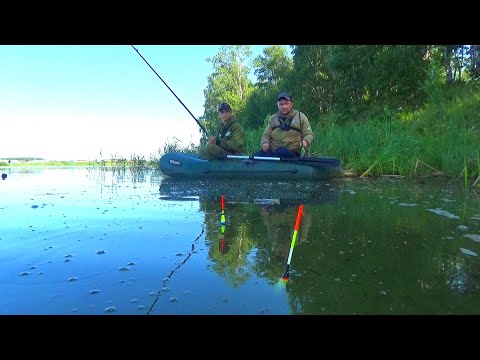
[90,241]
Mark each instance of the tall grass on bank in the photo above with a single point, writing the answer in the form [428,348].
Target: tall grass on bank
[440,139]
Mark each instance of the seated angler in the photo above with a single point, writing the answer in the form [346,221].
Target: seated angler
[229,140]
[288,132]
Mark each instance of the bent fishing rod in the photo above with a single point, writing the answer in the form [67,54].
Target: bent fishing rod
[198,122]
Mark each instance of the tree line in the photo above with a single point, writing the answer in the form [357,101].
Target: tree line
[345,82]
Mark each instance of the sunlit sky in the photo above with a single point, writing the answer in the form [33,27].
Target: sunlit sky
[81,102]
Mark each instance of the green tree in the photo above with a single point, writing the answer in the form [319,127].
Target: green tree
[271,68]
[229,83]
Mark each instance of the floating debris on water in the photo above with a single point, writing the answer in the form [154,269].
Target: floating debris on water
[95,291]
[473,237]
[444,213]
[34,206]
[24,273]
[124,268]
[100,252]
[110,309]
[462,227]
[468,252]
[172,299]
[72,279]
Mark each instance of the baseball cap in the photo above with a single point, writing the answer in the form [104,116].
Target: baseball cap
[224,106]
[284,95]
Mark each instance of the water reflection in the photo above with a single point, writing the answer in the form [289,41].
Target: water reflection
[364,247]
[260,222]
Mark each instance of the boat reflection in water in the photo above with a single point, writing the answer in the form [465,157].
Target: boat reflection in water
[250,191]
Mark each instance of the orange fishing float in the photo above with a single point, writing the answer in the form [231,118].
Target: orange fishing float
[286,274]
[222,218]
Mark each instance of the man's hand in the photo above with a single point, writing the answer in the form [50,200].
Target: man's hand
[266,147]
[212,140]
[303,144]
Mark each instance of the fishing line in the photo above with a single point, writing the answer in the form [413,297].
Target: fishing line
[164,281]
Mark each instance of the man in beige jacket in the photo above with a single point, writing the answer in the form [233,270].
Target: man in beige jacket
[287,132]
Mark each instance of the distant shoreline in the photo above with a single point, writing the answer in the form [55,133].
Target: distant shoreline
[5,164]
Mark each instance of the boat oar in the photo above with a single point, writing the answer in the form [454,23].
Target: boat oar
[310,161]
[286,274]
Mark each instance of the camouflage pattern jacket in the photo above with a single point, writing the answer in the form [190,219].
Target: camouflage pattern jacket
[230,137]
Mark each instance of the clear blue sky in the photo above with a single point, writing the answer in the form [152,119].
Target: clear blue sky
[65,102]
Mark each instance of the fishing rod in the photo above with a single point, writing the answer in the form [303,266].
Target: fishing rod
[198,122]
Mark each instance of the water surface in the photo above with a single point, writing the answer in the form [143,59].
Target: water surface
[90,241]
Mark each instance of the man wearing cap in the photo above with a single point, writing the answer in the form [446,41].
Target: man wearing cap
[287,132]
[230,137]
